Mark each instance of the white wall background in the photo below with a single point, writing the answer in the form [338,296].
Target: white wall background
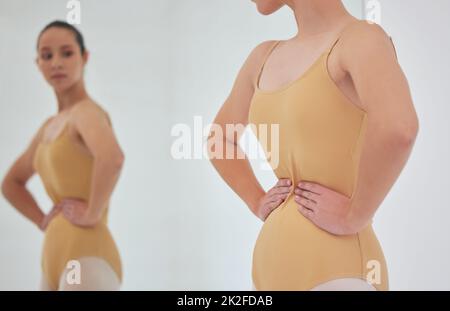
[158,63]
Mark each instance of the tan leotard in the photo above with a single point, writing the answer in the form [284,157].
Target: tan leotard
[321,133]
[65,170]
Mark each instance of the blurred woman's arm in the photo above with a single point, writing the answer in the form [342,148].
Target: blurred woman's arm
[14,184]
[96,131]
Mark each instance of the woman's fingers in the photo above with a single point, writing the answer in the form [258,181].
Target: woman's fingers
[72,209]
[282,190]
[283,183]
[276,197]
[308,204]
[270,207]
[273,205]
[279,193]
[306,194]
[56,209]
[67,209]
[66,213]
[308,213]
[275,201]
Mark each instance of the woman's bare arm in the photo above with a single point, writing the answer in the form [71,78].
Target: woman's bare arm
[392,125]
[97,133]
[237,172]
[14,184]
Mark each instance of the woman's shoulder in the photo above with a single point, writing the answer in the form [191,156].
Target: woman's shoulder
[365,29]
[366,35]
[265,46]
[366,40]
[256,58]
[260,51]
[91,108]
[43,126]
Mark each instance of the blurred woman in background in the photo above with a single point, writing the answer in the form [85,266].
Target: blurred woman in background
[77,156]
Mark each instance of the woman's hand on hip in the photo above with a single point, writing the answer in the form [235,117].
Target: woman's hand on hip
[48,218]
[273,198]
[76,211]
[326,208]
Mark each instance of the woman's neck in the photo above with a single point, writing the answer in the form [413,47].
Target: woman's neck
[315,17]
[71,96]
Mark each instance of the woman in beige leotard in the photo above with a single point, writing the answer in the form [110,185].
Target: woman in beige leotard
[346,129]
[78,158]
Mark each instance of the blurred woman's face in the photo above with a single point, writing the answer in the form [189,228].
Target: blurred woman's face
[267,7]
[60,59]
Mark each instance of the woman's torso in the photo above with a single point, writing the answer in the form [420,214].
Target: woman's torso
[319,139]
[64,163]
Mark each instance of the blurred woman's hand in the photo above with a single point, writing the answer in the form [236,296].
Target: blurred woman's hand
[76,211]
[48,218]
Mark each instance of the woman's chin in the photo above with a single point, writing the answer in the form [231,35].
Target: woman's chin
[60,86]
[264,10]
